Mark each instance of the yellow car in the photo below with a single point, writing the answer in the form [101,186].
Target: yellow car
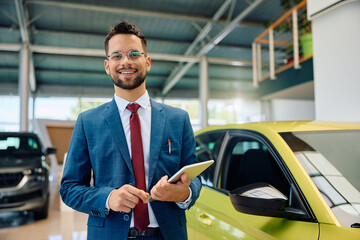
[278,180]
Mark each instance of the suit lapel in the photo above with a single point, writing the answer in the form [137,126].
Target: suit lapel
[112,118]
[158,119]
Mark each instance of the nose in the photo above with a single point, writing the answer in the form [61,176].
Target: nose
[125,59]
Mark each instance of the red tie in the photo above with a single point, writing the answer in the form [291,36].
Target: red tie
[141,215]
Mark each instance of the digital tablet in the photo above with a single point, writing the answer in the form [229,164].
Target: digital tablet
[192,171]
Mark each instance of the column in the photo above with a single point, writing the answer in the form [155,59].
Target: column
[24,87]
[203,92]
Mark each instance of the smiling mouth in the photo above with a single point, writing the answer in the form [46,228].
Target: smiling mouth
[127,72]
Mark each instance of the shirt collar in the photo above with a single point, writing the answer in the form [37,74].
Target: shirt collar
[143,101]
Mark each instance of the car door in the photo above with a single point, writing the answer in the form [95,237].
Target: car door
[207,148]
[246,157]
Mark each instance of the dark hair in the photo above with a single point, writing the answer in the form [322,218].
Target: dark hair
[124,28]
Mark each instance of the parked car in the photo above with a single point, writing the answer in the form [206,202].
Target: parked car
[24,174]
[278,180]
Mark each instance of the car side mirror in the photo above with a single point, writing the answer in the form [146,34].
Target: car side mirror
[264,200]
[50,150]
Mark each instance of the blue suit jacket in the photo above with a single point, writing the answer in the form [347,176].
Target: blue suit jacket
[98,144]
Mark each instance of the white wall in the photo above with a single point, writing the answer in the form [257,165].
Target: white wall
[291,109]
[336,44]
[41,130]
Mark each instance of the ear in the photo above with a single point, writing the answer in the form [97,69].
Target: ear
[148,63]
[107,67]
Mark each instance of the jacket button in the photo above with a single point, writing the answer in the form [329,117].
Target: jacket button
[126,217]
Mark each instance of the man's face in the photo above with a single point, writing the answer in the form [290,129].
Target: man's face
[126,73]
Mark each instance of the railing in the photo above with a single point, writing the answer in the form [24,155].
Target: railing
[284,34]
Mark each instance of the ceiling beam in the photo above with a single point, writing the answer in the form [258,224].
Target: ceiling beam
[90,52]
[20,11]
[62,90]
[22,21]
[102,73]
[128,11]
[229,28]
[101,37]
[34,32]
[10,47]
[232,62]
[209,25]
[6,13]
[203,33]
[100,53]
[220,36]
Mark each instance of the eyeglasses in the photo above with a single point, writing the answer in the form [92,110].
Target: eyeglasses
[132,55]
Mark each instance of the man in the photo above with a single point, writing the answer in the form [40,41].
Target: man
[130,146]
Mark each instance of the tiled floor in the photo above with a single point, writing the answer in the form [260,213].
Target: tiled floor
[60,225]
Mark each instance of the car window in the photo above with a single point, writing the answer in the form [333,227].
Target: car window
[16,145]
[331,159]
[207,148]
[248,161]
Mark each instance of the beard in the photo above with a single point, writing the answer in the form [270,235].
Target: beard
[131,85]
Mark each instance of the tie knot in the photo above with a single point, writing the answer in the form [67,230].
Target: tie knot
[133,107]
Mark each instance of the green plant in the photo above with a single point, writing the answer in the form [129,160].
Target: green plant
[304,24]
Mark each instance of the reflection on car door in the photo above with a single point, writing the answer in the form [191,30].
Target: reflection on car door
[244,159]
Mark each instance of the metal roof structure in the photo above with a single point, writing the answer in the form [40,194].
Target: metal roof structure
[65,39]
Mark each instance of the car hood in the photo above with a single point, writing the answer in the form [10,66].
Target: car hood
[19,162]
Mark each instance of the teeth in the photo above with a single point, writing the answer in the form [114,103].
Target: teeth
[126,72]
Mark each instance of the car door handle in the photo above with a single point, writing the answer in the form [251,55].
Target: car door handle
[204,219]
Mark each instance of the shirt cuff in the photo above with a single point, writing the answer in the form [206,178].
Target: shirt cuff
[185,204]
[107,208]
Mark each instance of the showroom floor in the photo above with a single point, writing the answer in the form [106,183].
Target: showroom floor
[64,224]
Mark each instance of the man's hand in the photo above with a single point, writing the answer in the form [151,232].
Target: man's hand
[165,191]
[125,198]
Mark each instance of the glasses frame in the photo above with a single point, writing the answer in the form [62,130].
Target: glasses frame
[123,54]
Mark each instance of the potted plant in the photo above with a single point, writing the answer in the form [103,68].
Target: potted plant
[305,35]
[304,26]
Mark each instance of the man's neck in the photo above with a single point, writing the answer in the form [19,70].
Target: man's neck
[130,95]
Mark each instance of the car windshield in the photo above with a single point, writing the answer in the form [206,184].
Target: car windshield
[331,158]
[19,145]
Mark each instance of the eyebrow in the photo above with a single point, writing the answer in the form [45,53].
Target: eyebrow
[126,52]
[116,52]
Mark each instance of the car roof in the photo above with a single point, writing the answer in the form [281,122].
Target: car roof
[18,134]
[287,126]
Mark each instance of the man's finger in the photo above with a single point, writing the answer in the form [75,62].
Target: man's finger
[184,179]
[130,204]
[144,196]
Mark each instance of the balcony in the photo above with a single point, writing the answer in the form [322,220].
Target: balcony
[288,42]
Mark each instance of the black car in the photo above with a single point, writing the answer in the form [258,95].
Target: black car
[24,174]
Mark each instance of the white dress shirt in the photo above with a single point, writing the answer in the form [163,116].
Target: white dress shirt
[145,120]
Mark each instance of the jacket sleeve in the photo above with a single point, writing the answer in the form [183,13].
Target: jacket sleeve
[188,154]
[75,189]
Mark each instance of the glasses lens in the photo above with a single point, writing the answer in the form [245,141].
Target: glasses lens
[134,54]
[116,56]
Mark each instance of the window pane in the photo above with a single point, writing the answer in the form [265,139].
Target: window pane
[331,159]
[248,161]
[207,148]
